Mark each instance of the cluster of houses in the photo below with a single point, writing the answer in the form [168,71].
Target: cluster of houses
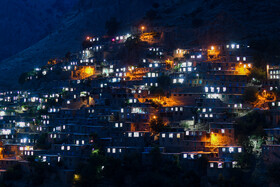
[93,97]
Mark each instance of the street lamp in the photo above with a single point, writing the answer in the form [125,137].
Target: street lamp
[142,28]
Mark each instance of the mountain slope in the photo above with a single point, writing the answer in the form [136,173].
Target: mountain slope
[224,20]
[23,22]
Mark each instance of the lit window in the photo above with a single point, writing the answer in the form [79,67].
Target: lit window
[129,134]
[211,165]
[68,148]
[181,81]
[178,135]
[62,147]
[185,155]
[136,134]
[108,150]
[170,135]
[113,150]
[234,164]
[163,135]
[231,149]
[239,150]
[222,130]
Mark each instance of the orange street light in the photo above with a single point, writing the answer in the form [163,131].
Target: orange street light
[143,28]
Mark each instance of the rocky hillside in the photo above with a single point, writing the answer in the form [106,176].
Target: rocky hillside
[25,22]
[214,21]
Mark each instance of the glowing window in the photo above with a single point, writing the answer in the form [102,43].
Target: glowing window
[136,134]
[170,135]
[178,135]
